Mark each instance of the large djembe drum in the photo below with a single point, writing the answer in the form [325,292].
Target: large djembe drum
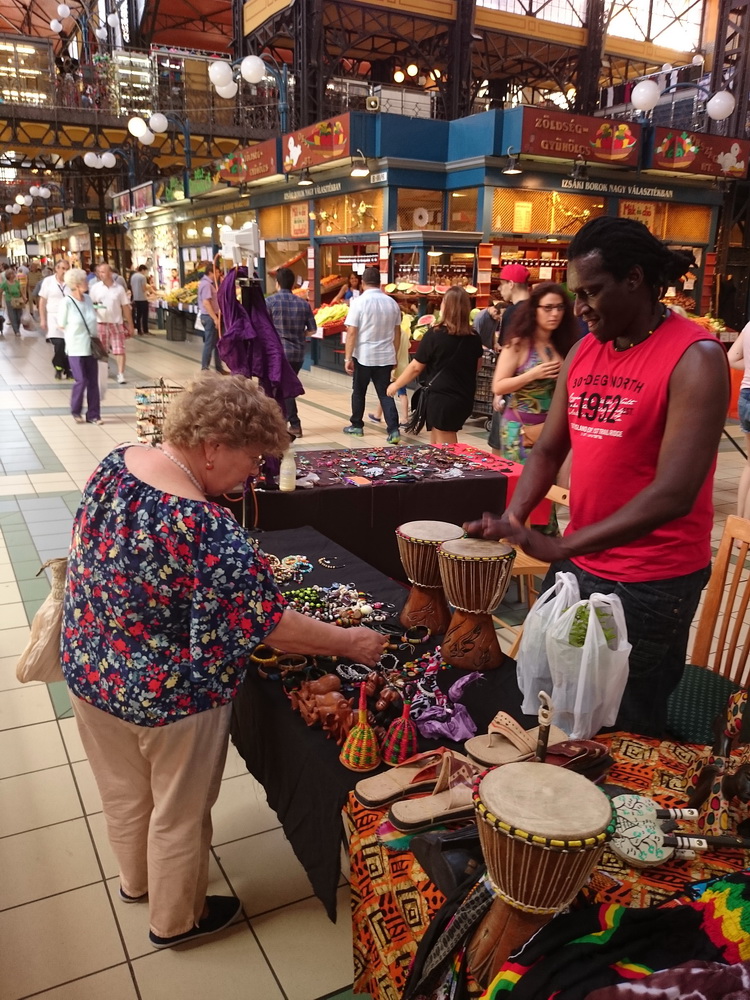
[542,830]
[417,546]
[475,575]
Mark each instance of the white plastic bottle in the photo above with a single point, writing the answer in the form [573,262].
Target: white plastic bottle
[288,472]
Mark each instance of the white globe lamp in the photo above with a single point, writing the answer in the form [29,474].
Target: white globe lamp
[252,69]
[147,138]
[228,92]
[101,33]
[720,106]
[158,123]
[137,126]
[645,95]
[112,20]
[8,209]
[90,159]
[44,192]
[28,201]
[34,191]
[19,199]
[56,25]
[109,160]
[220,73]
[63,11]
[16,209]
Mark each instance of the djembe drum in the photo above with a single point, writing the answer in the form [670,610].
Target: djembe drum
[542,830]
[417,546]
[475,575]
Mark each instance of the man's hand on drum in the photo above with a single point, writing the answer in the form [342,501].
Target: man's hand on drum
[364,645]
[509,528]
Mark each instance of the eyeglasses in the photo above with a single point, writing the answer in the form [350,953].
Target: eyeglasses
[256,459]
[552,309]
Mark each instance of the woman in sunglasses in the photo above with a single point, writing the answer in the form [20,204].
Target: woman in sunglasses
[541,332]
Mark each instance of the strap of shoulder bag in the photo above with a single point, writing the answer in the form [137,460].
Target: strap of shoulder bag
[437,374]
[80,313]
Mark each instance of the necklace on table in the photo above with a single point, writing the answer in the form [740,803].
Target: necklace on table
[184,468]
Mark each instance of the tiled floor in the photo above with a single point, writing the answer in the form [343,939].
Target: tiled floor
[63,933]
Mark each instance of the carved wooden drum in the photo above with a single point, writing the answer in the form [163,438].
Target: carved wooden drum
[475,575]
[417,546]
[542,830]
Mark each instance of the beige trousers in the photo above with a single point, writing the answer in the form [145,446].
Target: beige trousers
[158,786]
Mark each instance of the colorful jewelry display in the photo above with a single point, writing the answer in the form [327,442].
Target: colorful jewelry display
[290,569]
[340,604]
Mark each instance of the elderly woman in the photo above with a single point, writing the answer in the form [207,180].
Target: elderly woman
[14,298]
[167,597]
[77,319]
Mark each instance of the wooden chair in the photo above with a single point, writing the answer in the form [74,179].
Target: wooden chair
[526,568]
[719,659]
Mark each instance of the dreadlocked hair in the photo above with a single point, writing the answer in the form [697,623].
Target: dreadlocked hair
[623,243]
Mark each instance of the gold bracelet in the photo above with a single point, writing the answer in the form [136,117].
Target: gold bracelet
[266,655]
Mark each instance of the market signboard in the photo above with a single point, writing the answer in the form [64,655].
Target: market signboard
[696,153]
[324,142]
[564,136]
[143,196]
[252,163]
[120,205]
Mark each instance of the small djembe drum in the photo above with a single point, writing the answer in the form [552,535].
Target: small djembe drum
[475,575]
[542,830]
[417,546]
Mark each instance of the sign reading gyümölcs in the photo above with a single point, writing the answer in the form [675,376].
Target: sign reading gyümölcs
[564,136]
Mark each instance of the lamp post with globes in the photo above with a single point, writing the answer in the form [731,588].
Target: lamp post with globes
[158,124]
[107,160]
[647,93]
[84,18]
[44,191]
[223,76]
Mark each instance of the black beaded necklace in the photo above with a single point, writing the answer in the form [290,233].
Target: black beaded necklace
[660,319]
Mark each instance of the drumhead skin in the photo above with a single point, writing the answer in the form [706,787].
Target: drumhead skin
[433,532]
[475,548]
[545,801]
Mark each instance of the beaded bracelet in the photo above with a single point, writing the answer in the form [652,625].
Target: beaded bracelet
[335,562]
[416,634]
[355,672]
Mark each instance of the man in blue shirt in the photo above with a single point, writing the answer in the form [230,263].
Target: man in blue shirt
[293,319]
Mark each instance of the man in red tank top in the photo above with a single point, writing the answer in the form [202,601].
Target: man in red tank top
[641,404]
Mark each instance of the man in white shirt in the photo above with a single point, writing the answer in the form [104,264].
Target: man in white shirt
[51,293]
[140,299]
[373,334]
[114,316]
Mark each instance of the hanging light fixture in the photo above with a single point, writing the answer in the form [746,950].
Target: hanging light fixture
[432,252]
[512,167]
[412,69]
[399,76]
[305,179]
[359,167]
[580,171]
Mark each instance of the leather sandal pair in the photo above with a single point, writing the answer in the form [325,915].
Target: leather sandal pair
[507,742]
[417,775]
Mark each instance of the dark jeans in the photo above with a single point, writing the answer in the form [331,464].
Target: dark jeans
[86,374]
[140,316]
[60,359]
[210,340]
[380,376]
[291,402]
[14,315]
[658,615]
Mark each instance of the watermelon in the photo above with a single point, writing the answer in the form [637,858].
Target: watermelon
[424,289]
[442,289]
[471,290]
[426,320]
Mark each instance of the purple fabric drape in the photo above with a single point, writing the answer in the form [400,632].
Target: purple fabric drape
[249,343]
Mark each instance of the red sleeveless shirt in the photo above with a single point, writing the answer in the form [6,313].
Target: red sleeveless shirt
[617,409]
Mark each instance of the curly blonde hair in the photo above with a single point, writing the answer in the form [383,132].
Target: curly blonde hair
[229,410]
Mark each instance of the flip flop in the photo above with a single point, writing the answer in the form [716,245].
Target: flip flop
[417,774]
[507,742]
[451,801]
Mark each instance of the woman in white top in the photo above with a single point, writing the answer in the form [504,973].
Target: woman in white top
[77,319]
[739,357]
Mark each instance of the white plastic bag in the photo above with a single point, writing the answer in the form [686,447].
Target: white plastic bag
[588,680]
[532,666]
[103,375]
[199,328]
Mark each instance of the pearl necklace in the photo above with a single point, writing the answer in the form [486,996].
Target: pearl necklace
[184,468]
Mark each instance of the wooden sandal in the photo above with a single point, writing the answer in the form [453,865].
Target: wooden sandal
[415,775]
[507,742]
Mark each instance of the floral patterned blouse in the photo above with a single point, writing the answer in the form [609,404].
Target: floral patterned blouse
[165,600]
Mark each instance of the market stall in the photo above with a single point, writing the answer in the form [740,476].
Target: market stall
[361,496]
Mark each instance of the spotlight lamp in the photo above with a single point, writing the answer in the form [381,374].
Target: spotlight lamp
[580,171]
[399,76]
[412,69]
[359,166]
[512,167]
[305,178]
